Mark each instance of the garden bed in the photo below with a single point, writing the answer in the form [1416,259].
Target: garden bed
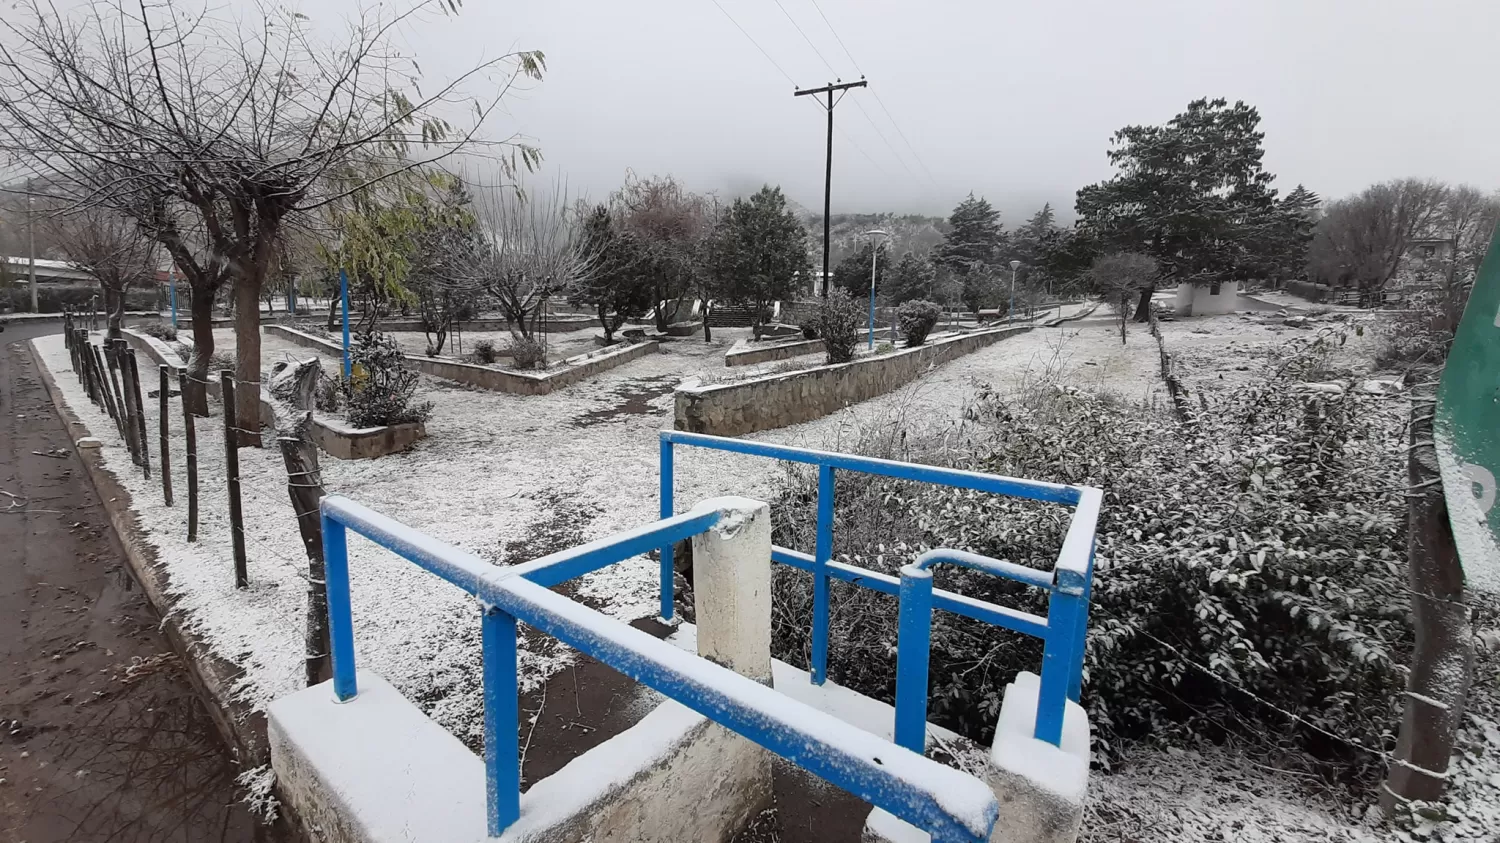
[779,400]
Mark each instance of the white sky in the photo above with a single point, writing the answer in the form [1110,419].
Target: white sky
[1013,100]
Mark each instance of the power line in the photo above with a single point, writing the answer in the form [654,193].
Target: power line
[756,43]
[887,143]
[857,148]
[805,38]
[836,37]
[913,150]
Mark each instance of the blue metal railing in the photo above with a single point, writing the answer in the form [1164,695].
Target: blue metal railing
[948,804]
[1069,583]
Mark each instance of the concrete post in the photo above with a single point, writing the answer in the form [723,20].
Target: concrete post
[732,586]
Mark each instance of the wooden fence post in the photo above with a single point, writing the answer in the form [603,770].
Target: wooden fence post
[127,429]
[163,402]
[191,429]
[102,377]
[232,468]
[143,440]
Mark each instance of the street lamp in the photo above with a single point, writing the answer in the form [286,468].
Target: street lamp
[1010,314]
[874,256]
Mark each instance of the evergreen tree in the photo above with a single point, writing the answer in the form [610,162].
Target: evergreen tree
[974,236]
[1192,194]
[758,251]
[911,278]
[1295,221]
[618,288]
[853,272]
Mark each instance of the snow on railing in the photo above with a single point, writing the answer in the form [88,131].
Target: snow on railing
[1069,584]
[949,804]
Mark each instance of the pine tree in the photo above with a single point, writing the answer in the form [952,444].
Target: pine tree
[618,288]
[1192,194]
[758,251]
[911,278]
[853,272]
[974,236]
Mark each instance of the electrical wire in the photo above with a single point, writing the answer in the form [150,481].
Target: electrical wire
[756,43]
[809,41]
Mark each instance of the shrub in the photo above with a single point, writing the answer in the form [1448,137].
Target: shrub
[1310,291]
[328,397]
[380,389]
[916,320]
[809,329]
[838,325]
[483,353]
[1248,563]
[160,330]
[527,353]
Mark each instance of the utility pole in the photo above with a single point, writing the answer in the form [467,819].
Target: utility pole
[31,242]
[830,89]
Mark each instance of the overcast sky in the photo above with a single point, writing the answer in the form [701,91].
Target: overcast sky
[1013,100]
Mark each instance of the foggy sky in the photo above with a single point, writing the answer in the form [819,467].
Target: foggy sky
[1013,100]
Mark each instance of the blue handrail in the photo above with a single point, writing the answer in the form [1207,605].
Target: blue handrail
[1069,584]
[947,803]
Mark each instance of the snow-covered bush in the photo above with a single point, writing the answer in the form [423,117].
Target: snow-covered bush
[1249,563]
[916,319]
[838,325]
[527,353]
[483,353]
[160,330]
[379,389]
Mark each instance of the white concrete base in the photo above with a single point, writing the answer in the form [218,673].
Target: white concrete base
[376,770]
[1193,300]
[1041,787]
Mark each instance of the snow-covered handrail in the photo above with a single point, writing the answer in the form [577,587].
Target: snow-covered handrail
[949,804]
[1069,584]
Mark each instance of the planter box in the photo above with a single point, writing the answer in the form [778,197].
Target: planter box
[780,400]
[497,380]
[748,354]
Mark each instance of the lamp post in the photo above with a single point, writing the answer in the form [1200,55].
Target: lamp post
[172,291]
[874,257]
[1010,314]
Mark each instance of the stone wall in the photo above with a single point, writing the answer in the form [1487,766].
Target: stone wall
[486,377]
[780,400]
[750,354]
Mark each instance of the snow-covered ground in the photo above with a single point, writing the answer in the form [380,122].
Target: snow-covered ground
[512,477]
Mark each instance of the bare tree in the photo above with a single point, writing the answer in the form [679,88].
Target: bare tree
[526,247]
[1119,277]
[216,132]
[109,247]
[672,226]
[1361,240]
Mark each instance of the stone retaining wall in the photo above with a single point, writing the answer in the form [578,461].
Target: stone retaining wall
[780,400]
[749,355]
[486,377]
[332,436]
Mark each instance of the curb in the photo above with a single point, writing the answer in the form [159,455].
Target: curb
[242,729]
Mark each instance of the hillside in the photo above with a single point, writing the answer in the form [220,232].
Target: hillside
[909,232]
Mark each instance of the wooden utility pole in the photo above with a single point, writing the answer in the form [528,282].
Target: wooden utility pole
[830,89]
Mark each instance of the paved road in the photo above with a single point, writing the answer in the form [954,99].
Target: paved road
[101,736]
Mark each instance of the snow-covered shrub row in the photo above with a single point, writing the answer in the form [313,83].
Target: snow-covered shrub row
[917,318]
[380,387]
[1250,562]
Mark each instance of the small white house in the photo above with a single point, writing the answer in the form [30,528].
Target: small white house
[1193,300]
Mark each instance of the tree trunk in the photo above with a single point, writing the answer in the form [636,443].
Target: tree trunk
[708,335]
[247,358]
[202,307]
[114,313]
[606,323]
[1143,307]
[333,310]
[291,389]
[1443,661]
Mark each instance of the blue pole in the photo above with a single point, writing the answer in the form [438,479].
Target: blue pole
[172,285]
[502,752]
[913,648]
[340,623]
[344,305]
[666,512]
[818,671]
[1063,606]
